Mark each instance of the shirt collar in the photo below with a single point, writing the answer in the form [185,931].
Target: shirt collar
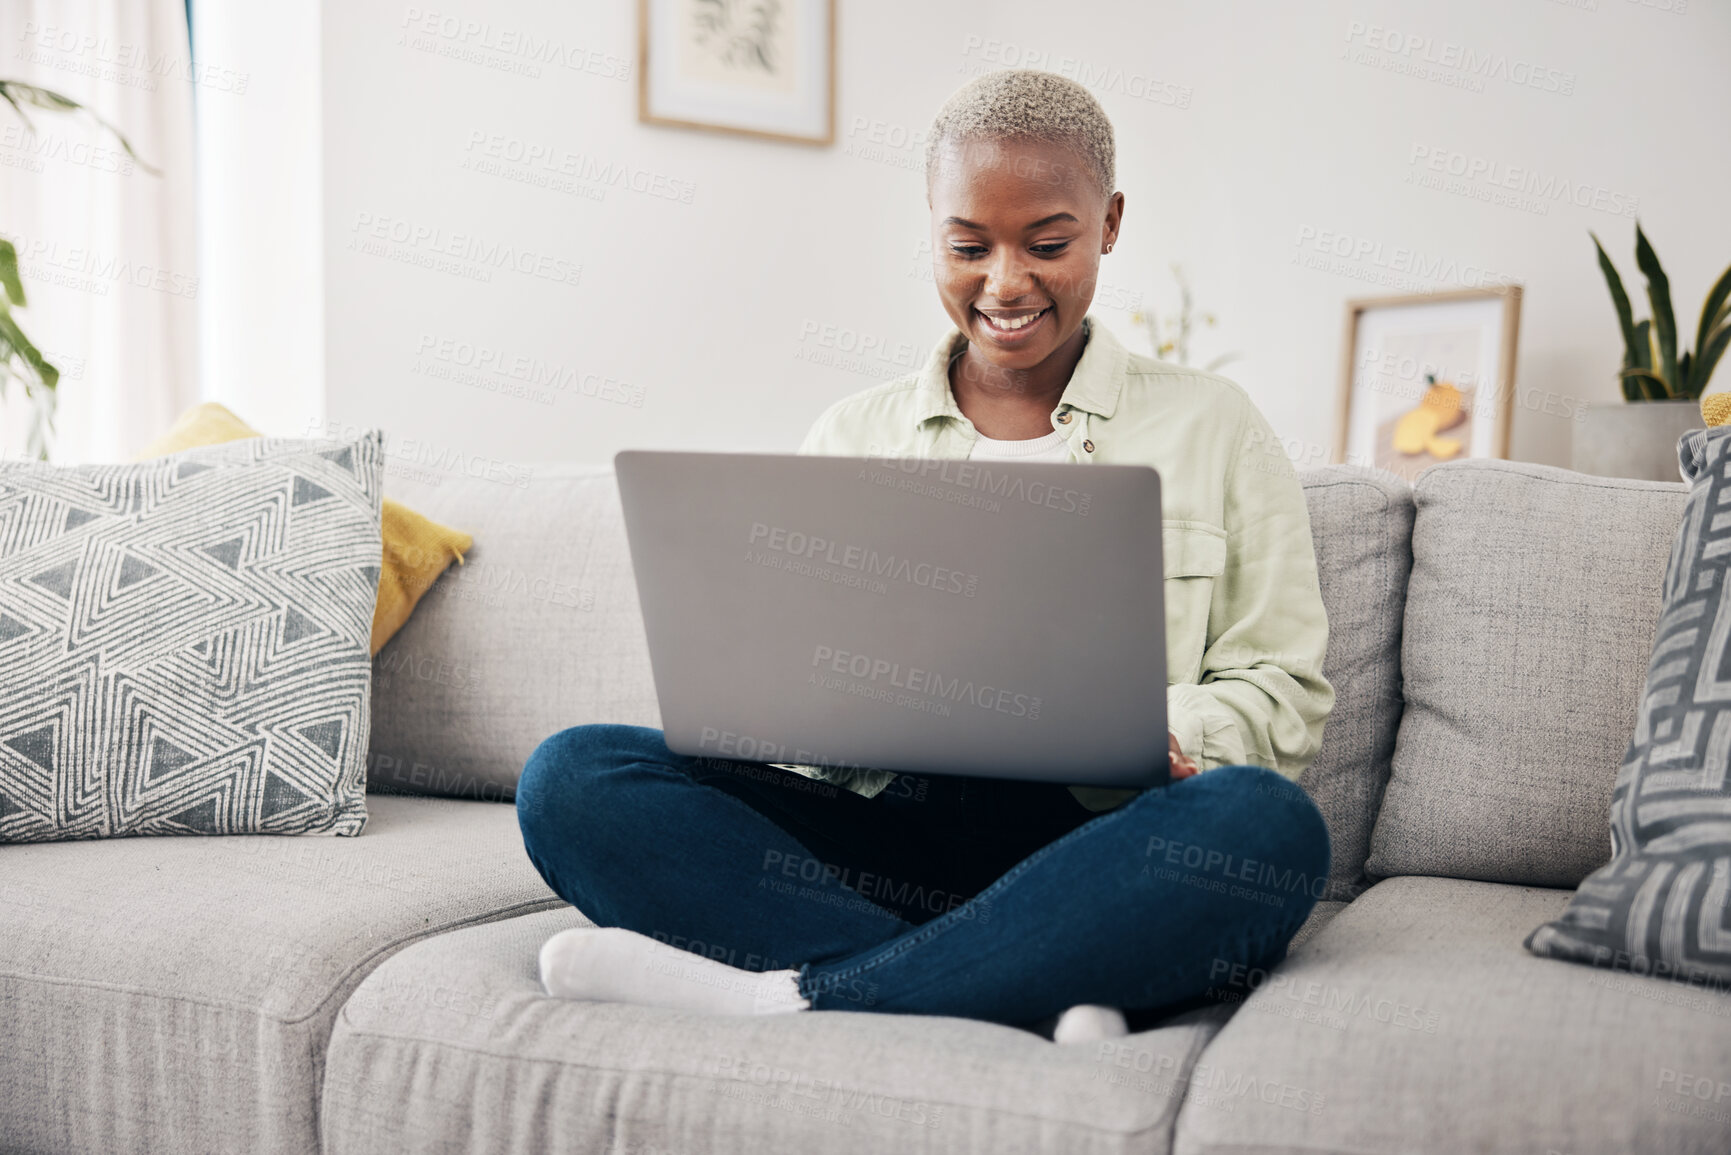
[1094,386]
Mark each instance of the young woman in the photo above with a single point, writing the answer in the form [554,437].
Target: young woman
[737,888]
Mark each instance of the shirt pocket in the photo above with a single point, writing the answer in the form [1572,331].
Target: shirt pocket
[1194,555]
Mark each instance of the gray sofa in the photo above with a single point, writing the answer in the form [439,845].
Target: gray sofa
[1490,632]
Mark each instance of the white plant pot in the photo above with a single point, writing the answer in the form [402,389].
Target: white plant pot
[1633,438]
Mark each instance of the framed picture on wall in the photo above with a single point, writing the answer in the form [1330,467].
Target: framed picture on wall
[763,68]
[1428,378]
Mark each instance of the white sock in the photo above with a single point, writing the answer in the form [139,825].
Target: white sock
[610,965]
[1087,1023]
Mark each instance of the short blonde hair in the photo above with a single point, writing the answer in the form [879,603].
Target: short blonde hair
[1026,104]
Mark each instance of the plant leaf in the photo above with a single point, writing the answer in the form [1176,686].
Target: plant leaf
[1619,298]
[9,279]
[1643,347]
[41,97]
[1713,311]
[1664,320]
[1707,359]
[16,91]
[45,373]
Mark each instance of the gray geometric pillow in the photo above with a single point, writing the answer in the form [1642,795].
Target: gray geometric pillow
[184,642]
[1662,905]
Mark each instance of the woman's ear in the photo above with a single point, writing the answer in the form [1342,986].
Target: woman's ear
[1114,221]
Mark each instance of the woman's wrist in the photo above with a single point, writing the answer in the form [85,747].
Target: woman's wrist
[1183,766]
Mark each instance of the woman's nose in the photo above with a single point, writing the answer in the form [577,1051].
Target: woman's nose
[1008,276]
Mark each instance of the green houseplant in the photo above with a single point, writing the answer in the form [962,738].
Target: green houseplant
[1654,368]
[1658,370]
[20,359]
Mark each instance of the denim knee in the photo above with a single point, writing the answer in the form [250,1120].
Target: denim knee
[561,778]
[1280,822]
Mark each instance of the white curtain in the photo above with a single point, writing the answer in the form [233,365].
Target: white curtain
[107,249]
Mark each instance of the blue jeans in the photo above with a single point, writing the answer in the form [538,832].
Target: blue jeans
[978,898]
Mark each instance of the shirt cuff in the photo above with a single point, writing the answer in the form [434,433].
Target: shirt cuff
[1206,731]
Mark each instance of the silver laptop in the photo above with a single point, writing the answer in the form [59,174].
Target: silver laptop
[926,616]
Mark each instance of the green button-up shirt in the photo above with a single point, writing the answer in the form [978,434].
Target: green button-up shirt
[1245,627]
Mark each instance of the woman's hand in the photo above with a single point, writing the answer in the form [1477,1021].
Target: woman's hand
[1183,766]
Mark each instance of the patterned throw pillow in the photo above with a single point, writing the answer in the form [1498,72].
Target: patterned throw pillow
[1662,905]
[183,643]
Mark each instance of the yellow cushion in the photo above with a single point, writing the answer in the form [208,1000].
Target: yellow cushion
[1716,409]
[417,550]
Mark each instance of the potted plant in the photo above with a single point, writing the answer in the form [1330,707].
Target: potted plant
[1662,382]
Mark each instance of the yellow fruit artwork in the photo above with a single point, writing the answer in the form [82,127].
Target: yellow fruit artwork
[1423,385]
[1440,409]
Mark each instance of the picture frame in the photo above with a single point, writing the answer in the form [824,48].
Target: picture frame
[755,68]
[1428,377]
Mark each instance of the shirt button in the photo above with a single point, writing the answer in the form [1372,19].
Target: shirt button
[1064,418]
[1088,445]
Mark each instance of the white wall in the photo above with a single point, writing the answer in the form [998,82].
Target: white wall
[1267,135]
[261,219]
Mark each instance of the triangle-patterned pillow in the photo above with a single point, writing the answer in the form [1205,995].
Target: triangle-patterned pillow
[184,642]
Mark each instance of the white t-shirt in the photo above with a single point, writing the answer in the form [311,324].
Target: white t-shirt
[1048,448]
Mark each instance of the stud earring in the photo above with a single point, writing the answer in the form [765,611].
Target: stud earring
[1108,246]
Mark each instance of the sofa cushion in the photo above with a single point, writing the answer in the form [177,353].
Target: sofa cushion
[183,642]
[176,994]
[1414,1021]
[539,630]
[1663,903]
[506,1069]
[1529,619]
[1361,522]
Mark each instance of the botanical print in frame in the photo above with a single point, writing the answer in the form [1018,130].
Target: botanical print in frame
[1428,378]
[762,68]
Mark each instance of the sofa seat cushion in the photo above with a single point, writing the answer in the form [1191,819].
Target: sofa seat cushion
[176,994]
[1415,1022]
[496,1066]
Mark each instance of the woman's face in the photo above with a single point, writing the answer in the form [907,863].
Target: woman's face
[1018,227]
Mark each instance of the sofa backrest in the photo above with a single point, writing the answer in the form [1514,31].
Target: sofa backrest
[1361,524]
[541,630]
[1530,616]
[537,631]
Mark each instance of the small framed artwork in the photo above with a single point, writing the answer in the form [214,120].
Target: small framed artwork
[763,68]
[1428,378]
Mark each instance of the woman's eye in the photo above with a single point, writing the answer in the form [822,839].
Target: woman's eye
[969,251]
[1051,249]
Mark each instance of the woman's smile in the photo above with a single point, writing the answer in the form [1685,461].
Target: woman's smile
[1011,328]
